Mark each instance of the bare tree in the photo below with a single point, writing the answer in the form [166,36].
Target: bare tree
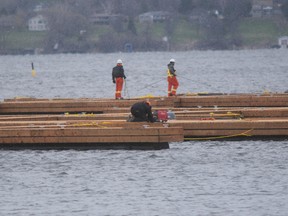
[64,23]
[108,6]
[186,6]
[8,7]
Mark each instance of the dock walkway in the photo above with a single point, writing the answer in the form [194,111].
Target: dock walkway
[88,123]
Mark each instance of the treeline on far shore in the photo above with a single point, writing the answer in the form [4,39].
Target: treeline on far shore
[145,25]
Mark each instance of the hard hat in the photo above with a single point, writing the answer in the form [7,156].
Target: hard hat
[172,60]
[119,61]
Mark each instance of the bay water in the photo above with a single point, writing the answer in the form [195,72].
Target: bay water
[191,178]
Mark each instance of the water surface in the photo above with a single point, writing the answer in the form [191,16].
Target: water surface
[191,178]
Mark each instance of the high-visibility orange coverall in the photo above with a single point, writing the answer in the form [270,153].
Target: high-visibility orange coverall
[172,80]
[119,87]
[118,77]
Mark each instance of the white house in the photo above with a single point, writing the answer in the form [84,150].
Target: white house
[262,8]
[38,23]
[154,16]
[38,8]
[283,42]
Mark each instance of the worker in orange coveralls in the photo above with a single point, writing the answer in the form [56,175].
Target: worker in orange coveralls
[118,77]
[172,80]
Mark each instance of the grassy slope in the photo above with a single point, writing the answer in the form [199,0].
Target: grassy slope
[257,32]
[96,31]
[23,39]
[185,32]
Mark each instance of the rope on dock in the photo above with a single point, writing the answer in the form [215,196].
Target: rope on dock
[83,114]
[92,124]
[220,137]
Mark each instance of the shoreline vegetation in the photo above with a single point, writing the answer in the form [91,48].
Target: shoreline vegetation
[70,30]
[252,33]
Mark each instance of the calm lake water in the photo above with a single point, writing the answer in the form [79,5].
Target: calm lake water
[191,178]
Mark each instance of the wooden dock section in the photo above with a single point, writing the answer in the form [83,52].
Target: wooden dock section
[59,106]
[240,100]
[101,123]
[86,137]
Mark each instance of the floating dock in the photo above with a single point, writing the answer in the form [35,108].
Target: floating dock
[89,123]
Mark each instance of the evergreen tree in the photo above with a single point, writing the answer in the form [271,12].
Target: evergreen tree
[131,26]
[186,6]
[284,8]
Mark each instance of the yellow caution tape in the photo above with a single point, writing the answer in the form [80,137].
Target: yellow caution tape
[106,122]
[191,94]
[228,114]
[92,124]
[81,114]
[147,96]
[22,97]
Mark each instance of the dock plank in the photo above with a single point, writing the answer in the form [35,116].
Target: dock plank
[95,121]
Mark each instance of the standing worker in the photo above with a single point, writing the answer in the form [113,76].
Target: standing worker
[118,77]
[141,111]
[172,80]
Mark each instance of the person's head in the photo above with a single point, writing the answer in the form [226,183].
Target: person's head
[148,103]
[119,62]
[172,61]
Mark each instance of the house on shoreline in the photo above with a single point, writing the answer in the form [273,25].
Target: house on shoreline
[38,23]
[154,16]
[266,8]
[283,42]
